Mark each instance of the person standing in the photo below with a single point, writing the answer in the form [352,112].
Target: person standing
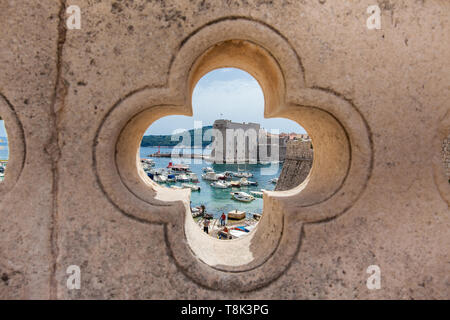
[206,226]
[223,218]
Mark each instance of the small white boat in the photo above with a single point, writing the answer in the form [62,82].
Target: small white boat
[220,185]
[191,186]
[196,212]
[157,171]
[182,177]
[176,187]
[211,176]
[245,182]
[160,178]
[149,162]
[192,176]
[207,169]
[242,196]
[257,194]
[247,174]
[274,180]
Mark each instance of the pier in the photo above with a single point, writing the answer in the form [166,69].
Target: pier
[169,155]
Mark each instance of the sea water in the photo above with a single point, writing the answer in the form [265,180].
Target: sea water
[217,200]
[4,154]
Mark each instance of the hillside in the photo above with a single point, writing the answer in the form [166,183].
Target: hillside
[166,140]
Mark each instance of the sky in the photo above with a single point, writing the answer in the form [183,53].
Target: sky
[226,93]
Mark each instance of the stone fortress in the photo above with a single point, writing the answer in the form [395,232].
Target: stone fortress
[256,144]
[76,103]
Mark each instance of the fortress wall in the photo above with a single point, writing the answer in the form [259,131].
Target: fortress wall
[296,167]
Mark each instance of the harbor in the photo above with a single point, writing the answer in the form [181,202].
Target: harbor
[219,188]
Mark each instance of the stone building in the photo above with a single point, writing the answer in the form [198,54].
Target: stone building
[76,104]
[245,142]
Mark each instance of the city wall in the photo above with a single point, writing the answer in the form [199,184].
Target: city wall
[297,165]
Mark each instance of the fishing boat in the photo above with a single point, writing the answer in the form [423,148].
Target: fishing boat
[242,196]
[163,178]
[220,185]
[257,194]
[207,169]
[235,184]
[157,171]
[245,182]
[243,174]
[192,176]
[182,177]
[247,174]
[178,167]
[191,186]
[171,178]
[228,175]
[236,215]
[149,162]
[196,212]
[211,176]
[257,216]
[274,180]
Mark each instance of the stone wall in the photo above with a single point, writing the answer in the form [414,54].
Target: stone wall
[296,167]
[77,102]
[446,156]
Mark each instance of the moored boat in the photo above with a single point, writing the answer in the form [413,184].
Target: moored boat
[245,182]
[220,184]
[235,184]
[211,176]
[193,177]
[257,194]
[242,196]
[191,186]
[182,177]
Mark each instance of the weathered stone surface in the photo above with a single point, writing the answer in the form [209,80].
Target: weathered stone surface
[296,167]
[84,96]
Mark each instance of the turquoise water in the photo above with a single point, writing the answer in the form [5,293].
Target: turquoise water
[219,200]
[4,154]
